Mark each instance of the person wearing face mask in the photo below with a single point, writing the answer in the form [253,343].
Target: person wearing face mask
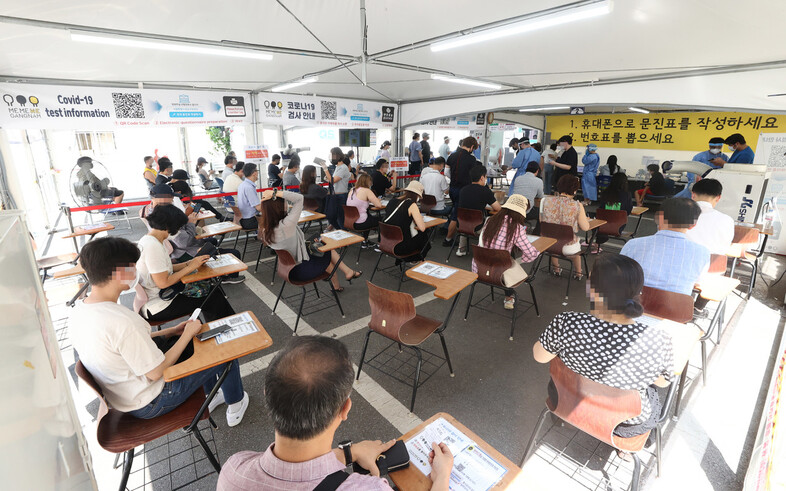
[568,160]
[742,153]
[589,185]
[127,360]
[459,163]
[712,157]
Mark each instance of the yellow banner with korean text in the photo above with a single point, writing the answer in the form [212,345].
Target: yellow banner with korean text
[667,131]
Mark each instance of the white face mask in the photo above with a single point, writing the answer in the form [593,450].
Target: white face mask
[715,151]
[731,147]
[132,282]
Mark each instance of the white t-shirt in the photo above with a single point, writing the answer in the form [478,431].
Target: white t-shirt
[714,230]
[545,155]
[231,183]
[154,259]
[434,184]
[114,345]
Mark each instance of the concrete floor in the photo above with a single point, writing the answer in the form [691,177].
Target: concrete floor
[498,390]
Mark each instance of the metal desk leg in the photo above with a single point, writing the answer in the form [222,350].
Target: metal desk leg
[636,230]
[450,313]
[81,291]
[683,379]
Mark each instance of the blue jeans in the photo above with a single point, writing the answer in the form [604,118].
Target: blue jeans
[178,391]
[685,193]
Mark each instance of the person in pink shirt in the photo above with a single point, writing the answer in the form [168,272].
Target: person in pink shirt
[307,390]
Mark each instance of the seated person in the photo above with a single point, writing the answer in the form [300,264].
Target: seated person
[608,345]
[436,184]
[563,209]
[403,212]
[361,196]
[507,230]
[289,177]
[179,184]
[233,182]
[125,358]
[311,190]
[529,185]
[157,273]
[165,170]
[670,260]
[615,197]
[655,187]
[280,231]
[149,173]
[383,181]
[475,196]
[307,389]
[204,176]
[274,174]
[248,199]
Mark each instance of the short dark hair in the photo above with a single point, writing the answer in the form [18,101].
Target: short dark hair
[293,163]
[164,164]
[717,141]
[84,160]
[618,280]
[183,188]
[514,142]
[415,135]
[537,146]
[735,138]
[567,139]
[568,184]
[249,169]
[228,159]
[351,153]
[680,212]
[533,167]
[469,141]
[148,157]
[100,257]
[553,146]
[653,168]
[438,161]
[167,217]
[307,384]
[380,163]
[275,157]
[708,187]
[477,172]
[239,166]
[336,153]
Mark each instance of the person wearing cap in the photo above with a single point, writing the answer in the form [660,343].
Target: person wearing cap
[589,184]
[476,196]
[425,150]
[742,153]
[444,149]
[531,187]
[165,170]
[415,155]
[568,160]
[204,175]
[714,157]
[179,184]
[506,230]
[403,212]
[384,151]
[525,155]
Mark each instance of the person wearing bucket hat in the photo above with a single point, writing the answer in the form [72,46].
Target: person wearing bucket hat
[403,212]
[589,186]
[506,230]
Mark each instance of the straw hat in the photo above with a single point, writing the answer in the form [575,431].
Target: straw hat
[517,203]
[417,188]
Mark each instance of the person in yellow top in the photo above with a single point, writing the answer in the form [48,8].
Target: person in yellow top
[149,173]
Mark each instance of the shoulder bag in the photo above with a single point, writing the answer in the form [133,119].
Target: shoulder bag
[413,230]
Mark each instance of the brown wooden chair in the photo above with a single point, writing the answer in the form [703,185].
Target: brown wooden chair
[718,263]
[119,432]
[389,237]
[594,409]
[393,316]
[491,264]
[351,215]
[745,238]
[286,263]
[564,234]
[310,204]
[468,222]
[615,221]
[427,203]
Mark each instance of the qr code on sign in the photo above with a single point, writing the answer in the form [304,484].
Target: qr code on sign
[460,467]
[328,110]
[128,105]
[777,159]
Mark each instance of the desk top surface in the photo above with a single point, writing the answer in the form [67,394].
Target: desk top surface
[717,287]
[638,210]
[331,244]
[434,222]
[90,230]
[219,229]
[543,243]
[205,214]
[205,272]
[445,288]
[312,217]
[65,273]
[595,223]
[683,337]
[208,353]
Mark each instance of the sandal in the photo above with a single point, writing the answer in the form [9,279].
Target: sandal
[556,272]
[356,274]
[578,276]
[337,290]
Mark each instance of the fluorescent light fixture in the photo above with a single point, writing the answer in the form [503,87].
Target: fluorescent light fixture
[541,22]
[553,108]
[144,43]
[466,81]
[639,110]
[292,85]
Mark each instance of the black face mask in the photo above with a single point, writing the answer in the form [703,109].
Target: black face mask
[334,161]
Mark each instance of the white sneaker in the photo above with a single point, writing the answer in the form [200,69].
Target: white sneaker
[217,401]
[235,417]
[461,253]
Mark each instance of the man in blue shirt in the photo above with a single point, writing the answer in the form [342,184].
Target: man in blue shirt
[248,201]
[712,157]
[669,259]
[526,155]
[743,154]
[415,155]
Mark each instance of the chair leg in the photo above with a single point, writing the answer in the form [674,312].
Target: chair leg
[417,378]
[300,310]
[338,302]
[275,269]
[400,276]
[513,317]
[570,277]
[363,354]
[128,460]
[469,302]
[208,453]
[316,289]
[283,283]
[237,238]
[704,363]
[259,256]
[634,483]
[658,450]
[452,246]
[534,299]
[754,270]
[371,280]
[447,356]
[245,244]
[733,267]
[492,293]
[534,436]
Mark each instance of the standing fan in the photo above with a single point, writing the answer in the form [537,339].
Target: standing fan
[89,182]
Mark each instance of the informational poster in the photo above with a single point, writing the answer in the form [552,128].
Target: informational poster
[256,154]
[461,122]
[29,106]
[771,151]
[399,164]
[666,131]
[297,110]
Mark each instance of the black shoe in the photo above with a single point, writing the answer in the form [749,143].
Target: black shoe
[447,243]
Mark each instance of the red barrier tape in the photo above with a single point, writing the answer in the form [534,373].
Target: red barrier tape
[198,196]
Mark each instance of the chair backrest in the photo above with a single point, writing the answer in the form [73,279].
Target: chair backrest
[718,263]
[594,408]
[351,215]
[615,219]
[563,234]
[469,220]
[140,299]
[88,379]
[236,215]
[389,310]
[285,264]
[677,307]
[427,203]
[389,237]
[310,204]
[491,263]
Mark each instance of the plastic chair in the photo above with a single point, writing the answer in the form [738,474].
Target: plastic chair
[563,234]
[119,432]
[468,221]
[615,221]
[285,265]
[389,237]
[491,263]
[427,203]
[744,239]
[393,316]
[351,215]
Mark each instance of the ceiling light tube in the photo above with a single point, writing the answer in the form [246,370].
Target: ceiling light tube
[292,85]
[466,81]
[639,110]
[553,108]
[583,12]
[145,43]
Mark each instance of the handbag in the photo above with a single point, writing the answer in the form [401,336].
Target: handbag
[393,459]
[514,275]
[313,245]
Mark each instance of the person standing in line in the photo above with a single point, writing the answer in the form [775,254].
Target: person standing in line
[567,162]
[384,151]
[742,153]
[444,149]
[526,155]
[425,151]
[149,173]
[415,155]
[546,166]
[340,179]
[589,184]
[459,163]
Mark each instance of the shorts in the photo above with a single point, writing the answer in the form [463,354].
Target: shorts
[571,249]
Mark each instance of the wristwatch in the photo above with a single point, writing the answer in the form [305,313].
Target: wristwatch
[346,446]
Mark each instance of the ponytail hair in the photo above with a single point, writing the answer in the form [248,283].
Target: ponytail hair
[618,280]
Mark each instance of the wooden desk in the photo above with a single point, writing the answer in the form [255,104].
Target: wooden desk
[542,243]
[54,261]
[91,230]
[65,273]
[639,210]
[594,223]
[205,214]
[714,288]
[220,228]
[311,218]
[758,226]
[411,479]
[331,244]
[683,337]
[434,222]
[205,272]
[450,286]
[208,354]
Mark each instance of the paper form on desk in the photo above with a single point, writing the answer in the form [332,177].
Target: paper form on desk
[242,325]
[222,225]
[338,235]
[221,260]
[306,214]
[473,469]
[93,226]
[384,202]
[428,218]
[435,270]
[532,238]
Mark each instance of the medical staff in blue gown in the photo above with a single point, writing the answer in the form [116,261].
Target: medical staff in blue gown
[526,155]
[591,161]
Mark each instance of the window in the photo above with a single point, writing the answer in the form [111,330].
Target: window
[99,142]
